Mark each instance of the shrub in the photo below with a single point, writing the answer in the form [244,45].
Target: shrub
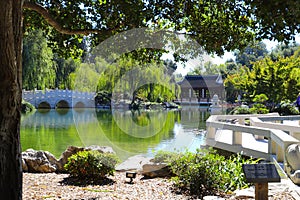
[286,108]
[27,107]
[91,164]
[240,110]
[207,172]
[258,108]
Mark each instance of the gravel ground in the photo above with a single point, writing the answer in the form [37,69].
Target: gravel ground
[60,186]
[55,186]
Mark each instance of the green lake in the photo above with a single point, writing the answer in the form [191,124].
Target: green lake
[128,133]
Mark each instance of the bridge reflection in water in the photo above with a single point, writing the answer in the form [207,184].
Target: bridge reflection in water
[55,130]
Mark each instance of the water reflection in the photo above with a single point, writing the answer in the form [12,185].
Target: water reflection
[129,133]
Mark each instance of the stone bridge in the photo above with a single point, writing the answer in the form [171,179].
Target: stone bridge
[52,99]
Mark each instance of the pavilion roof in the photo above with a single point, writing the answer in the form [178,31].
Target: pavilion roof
[201,81]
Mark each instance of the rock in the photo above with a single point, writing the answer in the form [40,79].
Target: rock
[154,170]
[293,156]
[43,161]
[101,149]
[212,198]
[24,166]
[144,166]
[73,150]
[134,163]
[38,161]
[292,162]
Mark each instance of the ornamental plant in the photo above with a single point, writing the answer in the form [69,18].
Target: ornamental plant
[206,172]
[91,164]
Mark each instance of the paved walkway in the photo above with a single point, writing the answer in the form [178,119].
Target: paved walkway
[284,188]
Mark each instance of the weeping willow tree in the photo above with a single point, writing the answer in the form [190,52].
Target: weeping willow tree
[38,67]
[149,81]
[216,25]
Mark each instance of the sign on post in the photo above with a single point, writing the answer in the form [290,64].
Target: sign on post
[261,174]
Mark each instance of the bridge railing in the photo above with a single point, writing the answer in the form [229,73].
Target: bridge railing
[279,122]
[52,97]
[276,140]
[57,93]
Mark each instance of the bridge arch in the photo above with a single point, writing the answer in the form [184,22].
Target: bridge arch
[44,105]
[59,98]
[79,104]
[62,104]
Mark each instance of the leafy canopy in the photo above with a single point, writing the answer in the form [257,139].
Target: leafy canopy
[217,25]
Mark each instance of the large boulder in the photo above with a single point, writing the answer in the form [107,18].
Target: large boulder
[73,150]
[38,161]
[293,162]
[153,170]
[44,162]
[134,163]
[145,166]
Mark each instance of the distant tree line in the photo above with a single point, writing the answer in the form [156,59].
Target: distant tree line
[256,71]
[152,78]
[42,68]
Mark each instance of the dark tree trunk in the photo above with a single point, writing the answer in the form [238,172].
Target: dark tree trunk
[10,99]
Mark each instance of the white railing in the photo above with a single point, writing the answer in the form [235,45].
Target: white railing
[269,142]
[56,93]
[279,122]
[35,97]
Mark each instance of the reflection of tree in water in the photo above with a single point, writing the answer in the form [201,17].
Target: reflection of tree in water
[141,118]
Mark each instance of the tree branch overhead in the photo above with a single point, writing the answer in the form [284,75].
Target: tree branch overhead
[55,24]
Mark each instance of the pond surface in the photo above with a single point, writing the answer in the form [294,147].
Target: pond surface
[128,133]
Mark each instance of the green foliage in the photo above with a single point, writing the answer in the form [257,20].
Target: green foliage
[65,73]
[217,26]
[103,98]
[207,172]
[91,164]
[208,69]
[286,108]
[258,107]
[253,52]
[278,80]
[27,107]
[147,81]
[239,110]
[284,51]
[38,66]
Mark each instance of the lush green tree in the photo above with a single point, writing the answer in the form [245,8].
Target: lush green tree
[208,68]
[279,80]
[151,81]
[38,66]
[65,72]
[284,50]
[216,25]
[231,66]
[253,52]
